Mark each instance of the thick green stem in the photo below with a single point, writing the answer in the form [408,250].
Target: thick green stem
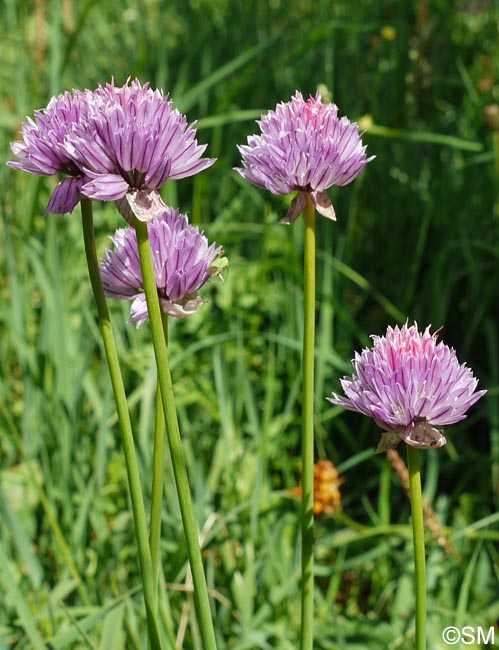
[157,477]
[307,521]
[157,507]
[139,517]
[174,440]
[419,547]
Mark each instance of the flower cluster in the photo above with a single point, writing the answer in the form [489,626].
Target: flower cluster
[304,146]
[121,144]
[115,144]
[327,481]
[183,262]
[42,148]
[327,495]
[410,384]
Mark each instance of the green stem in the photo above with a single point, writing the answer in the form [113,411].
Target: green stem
[157,477]
[419,547]
[157,508]
[174,440]
[139,517]
[307,517]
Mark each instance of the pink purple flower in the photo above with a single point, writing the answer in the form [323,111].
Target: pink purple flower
[304,146]
[410,384]
[132,145]
[183,262]
[41,150]
[115,144]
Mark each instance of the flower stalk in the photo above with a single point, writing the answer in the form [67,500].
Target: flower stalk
[304,147]
[307,515]
[157,508]
[201,598]
[419,545]
[157,477]
[411,385]
[139,517]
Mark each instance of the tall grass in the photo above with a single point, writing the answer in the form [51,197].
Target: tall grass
[416,237]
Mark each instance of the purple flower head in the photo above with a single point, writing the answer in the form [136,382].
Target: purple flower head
[131,145]
[115,144]
[409,384]
[41,150]
[183,262]
[304,146]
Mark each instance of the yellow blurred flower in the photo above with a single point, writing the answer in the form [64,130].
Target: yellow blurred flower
[388,33]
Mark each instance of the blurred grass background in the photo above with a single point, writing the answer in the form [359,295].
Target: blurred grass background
[416,237]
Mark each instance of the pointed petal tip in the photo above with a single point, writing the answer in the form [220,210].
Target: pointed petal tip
[323,205]
[65,197]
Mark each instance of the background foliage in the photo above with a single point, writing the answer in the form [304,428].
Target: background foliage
[416,237]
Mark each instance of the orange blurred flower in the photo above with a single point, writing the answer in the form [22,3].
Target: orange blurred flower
[327,496]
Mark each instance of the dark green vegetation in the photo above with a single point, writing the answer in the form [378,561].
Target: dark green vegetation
[417,236]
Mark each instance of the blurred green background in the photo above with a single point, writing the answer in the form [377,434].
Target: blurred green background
[417,237]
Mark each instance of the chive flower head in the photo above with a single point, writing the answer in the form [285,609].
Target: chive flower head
[303,146]
[183,262]
[116,143]
[42,151]
[410,384]
[133,144]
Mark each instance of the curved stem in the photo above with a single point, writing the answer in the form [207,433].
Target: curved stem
[419,546]
[307,516]
[174,440]
[139,517]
